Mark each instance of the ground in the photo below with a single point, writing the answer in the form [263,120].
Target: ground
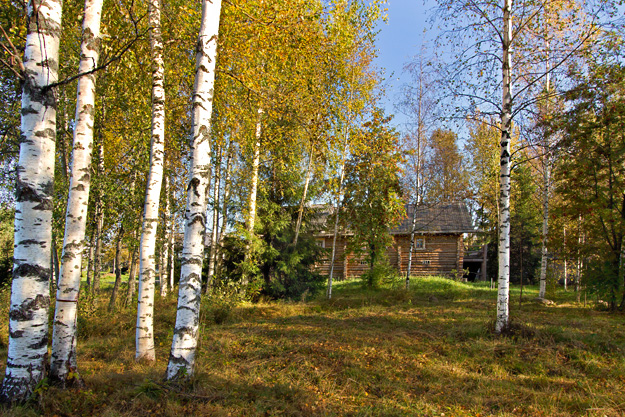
[429,351]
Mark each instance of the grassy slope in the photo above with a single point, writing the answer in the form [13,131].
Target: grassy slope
[384,352]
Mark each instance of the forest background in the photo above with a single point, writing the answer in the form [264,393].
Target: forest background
[297,120]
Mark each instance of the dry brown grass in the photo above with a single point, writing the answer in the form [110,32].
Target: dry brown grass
[386,352]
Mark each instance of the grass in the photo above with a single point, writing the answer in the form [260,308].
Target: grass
[429,351]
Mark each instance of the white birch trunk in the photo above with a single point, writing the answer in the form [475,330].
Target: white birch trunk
[503,291]
[566,269]
[254,183]
[30,291]
[63,358]
[147,273]
[300,212]
[578,272]
[336,219]
[163,270]
[132,273]
[171,254]
[418,184]
[546,194]
[213,251]
[224,209]
[184,343]
[251,220]
[99,222]
[118,268]
[545,231]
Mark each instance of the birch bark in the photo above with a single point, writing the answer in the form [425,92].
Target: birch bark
[419,164]
[64,333]
[503,291]
[253,193]
[30,296]
[184,343]
[213,251]
[99,223]
[147,271]
[118,268]
[132,274]
[300,212]
[165,252]
[546,197]
[545,230]
[336,220]
[224,208]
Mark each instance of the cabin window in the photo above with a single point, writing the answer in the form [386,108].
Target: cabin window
[321,243]
[419,243]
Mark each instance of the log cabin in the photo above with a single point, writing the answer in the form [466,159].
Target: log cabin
[438,247]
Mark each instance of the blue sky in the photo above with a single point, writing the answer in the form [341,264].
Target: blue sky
[398,41]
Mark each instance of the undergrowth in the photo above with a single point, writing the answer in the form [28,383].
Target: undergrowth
[427,351]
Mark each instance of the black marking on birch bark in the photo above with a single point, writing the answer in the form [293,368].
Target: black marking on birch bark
[505,154]
[30,270]
[16,334]
[28,242]
[185,330]
[24,192]
[197,218]
[25,140]
[88,109]
[26,366]
[43,342]
[90,40]
[178,360]
[191,261]
[45,205]
[26,311]
[193,184]
[42,25]
[29,110]
[191,309]
[45,133]
[39,94]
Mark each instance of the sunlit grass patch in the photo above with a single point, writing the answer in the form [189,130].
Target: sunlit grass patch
[427,351]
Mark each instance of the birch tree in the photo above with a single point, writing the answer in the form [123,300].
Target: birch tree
[419,104]
[184,344]
[63,357]
[30,299]
[483,74]
[147,268]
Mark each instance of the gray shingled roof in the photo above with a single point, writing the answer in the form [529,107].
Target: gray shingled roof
[451,218]
[440,218]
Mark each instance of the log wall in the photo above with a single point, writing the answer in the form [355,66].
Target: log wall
[441,255]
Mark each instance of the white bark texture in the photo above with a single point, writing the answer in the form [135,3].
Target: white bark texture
[99,221]
[63,358]
[251,220]
[30,296]
[147,272]
[503,291]
[163,270]
[224,209]
[545,232]
[184,343]
[336,220]
[300,211]
[216,196]
[255,167]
